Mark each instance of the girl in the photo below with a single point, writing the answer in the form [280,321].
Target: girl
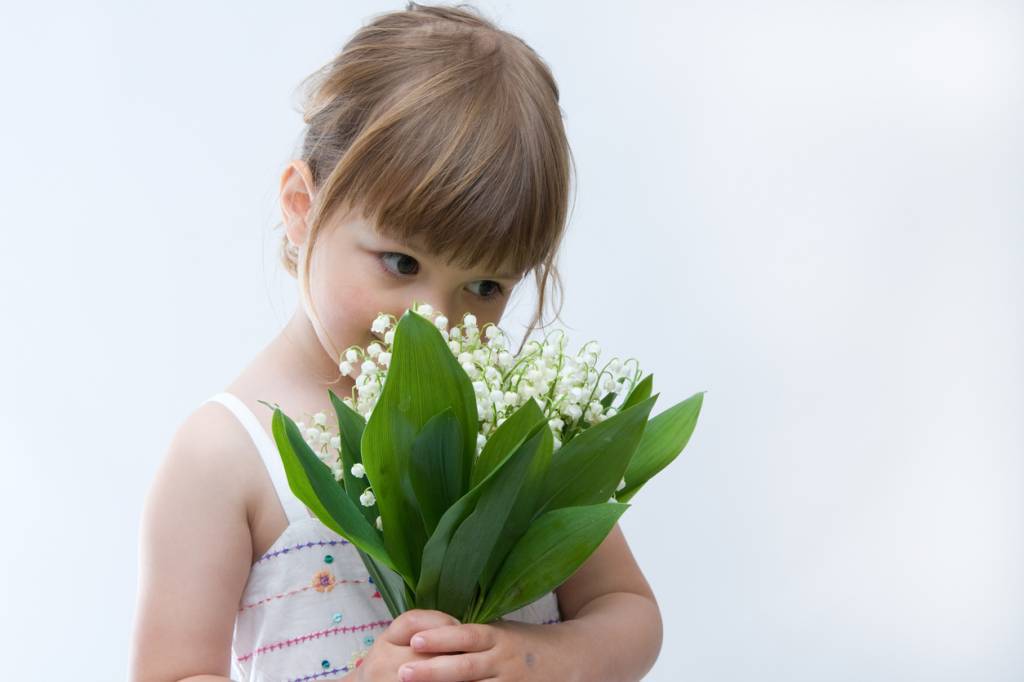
[435,167]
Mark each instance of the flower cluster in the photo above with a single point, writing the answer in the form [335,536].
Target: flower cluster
[570,388]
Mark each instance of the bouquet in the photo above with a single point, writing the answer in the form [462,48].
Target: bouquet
[471,480]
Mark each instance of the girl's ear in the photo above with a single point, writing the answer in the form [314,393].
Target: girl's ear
[296,197]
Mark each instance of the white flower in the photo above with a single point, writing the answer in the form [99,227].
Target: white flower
[345,367]
[381,324]
[367,499]
[358,471]
[320,419]
[380,525]
[336,442]
[567,386]
[622,484]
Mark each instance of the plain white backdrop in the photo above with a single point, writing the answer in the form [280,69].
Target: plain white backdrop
[812,210]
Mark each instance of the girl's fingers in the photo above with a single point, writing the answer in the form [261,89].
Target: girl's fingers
[410,622]
[450,668]
[454,639]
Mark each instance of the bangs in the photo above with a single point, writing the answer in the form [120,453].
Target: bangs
[466,166]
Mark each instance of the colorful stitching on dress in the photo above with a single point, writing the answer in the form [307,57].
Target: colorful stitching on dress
[319,674]
[301,545]
[324,581]
[291,593]
[314,635]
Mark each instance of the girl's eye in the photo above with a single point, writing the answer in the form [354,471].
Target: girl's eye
[407,265]
[404,260]
[496,290]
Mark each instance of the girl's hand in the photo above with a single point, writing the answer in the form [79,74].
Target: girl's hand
[502,651]
[391,649]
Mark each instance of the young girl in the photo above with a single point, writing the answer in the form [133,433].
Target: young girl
[435,167]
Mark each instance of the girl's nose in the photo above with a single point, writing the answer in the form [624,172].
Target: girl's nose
[442,301]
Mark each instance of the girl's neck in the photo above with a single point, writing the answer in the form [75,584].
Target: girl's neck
[296,365]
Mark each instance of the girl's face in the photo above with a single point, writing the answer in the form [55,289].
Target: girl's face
[356,274]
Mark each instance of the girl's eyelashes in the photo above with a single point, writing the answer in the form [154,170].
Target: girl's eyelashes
[407,266]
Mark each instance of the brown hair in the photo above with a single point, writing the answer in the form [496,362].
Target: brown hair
[444,130]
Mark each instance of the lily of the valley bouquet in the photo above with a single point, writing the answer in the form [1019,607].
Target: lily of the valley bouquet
[472,480]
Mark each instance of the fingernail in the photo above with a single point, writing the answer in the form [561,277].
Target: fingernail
[418,641]
[405,672]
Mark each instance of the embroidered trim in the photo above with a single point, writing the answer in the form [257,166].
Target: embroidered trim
[335,671]
[314,635]
[301,545]
[300,590]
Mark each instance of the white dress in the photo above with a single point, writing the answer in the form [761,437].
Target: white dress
[310,610]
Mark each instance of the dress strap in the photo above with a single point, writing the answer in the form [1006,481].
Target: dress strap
[294,509]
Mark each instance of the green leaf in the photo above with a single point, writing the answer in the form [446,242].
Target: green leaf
[437,546]
[350,432]
[589,468]
[471,545]
[423,379]
[434,467]
[506,438]
[390,585]
[640,392]
[554,547]
[314,484]
[524,511]
[664,438]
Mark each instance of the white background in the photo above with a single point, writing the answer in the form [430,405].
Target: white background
[811,210]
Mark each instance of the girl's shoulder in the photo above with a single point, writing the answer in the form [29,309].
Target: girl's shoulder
[212,445]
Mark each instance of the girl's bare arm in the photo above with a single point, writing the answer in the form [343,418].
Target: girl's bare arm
[194,558]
